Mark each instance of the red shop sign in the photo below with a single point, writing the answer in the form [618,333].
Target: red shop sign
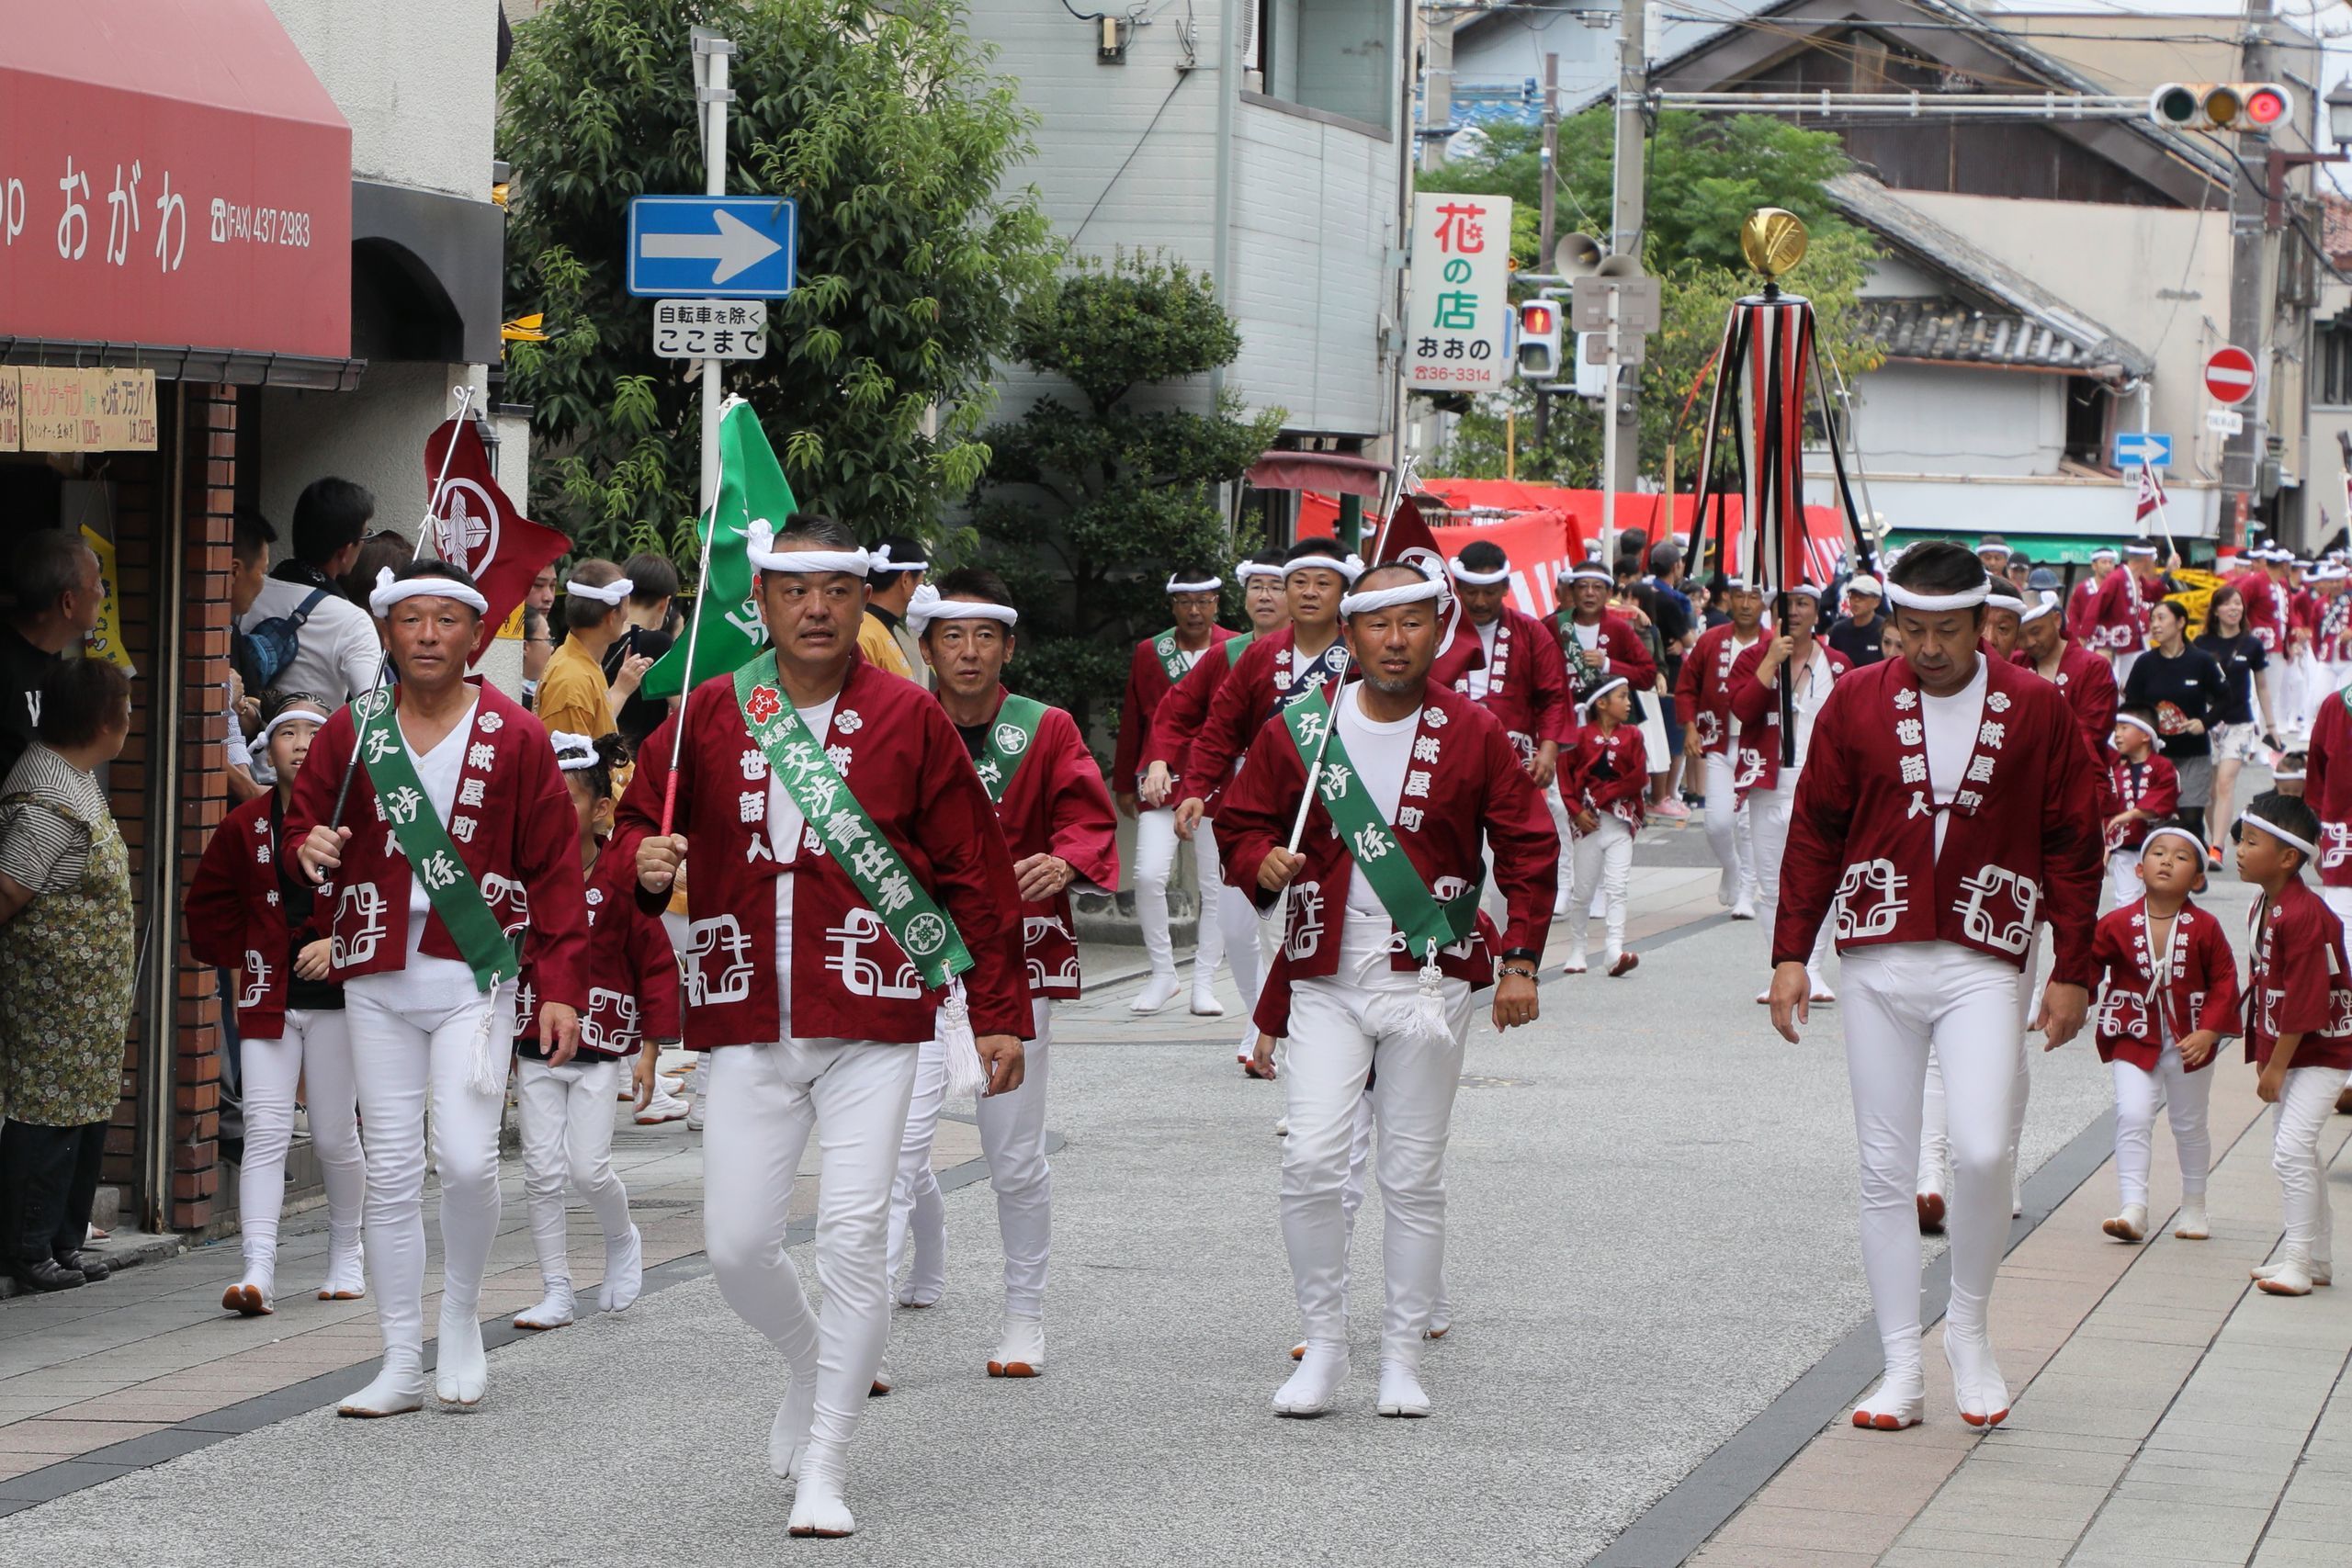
[171,173]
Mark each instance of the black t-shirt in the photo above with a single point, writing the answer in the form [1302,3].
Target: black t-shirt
[2241,658]
[1858,644]
[295,896]
[2192,683]
[640,716]
[976,737]
[21,666]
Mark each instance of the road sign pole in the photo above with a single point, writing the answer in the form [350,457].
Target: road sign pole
[1609,442]
[713,91]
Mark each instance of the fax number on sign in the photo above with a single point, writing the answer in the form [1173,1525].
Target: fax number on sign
[1480,373]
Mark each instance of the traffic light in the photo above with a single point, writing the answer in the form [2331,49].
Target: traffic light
[2254,107]
[1539,340]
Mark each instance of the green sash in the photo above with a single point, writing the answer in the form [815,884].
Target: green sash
[1009,739]
[922,928]
[1172,657]
[1427,924]
[1234,646]
[449,887]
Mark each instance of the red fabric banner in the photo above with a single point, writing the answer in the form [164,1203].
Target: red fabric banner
[476,527]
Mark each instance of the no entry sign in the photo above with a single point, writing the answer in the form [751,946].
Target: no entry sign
[2229,374]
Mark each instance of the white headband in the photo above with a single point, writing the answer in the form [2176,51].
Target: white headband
[2174,829]
[1350,568]
[1995,547]
[2003,598]
[1249,570]
[288,716]
[1383,598]
[2048,607]
[1602,689]
[2142,724]
[2139,550]
[1587,574]
[573,753]
[2281,772]
[759,548]
[2103,550]
[613,593]
[2284,837]
[927,606]
[1810,590]
[390,591]
[880,561]
[1463,575]
[1202,585]
[1931,603]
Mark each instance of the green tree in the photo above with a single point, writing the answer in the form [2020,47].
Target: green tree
[885,125]
[1706,175]
[1091,502]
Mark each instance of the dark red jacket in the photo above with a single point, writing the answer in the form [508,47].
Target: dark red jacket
[236,920]
[1148,687]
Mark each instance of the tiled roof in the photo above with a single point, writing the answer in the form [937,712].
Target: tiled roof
[1949,330]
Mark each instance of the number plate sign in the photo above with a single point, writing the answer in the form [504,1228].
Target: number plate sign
[710,329]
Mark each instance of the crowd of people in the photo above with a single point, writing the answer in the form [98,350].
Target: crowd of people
[841,877]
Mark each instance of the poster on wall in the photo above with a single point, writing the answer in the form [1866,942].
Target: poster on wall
[86,411]
[9,423]
[1459,313]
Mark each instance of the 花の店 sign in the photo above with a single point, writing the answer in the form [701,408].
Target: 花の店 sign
[1459,313]
[83,410]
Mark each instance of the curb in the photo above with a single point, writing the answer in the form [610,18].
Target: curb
[120,1251]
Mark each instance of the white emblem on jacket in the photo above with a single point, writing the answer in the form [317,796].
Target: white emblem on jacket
[861,975]
[718,936]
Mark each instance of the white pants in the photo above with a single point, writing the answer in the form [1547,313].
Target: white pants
[1013,1140]
[1603,859]
[1935,1142]
[2338,899]
[567,1114]
[2182,1094]
[1223,910]
[765,1102]
[318,1044]
[1901,1000]
[1730,832]
[2304,1106]
[2123,663]
[2123,876]
[399,1060]
[1339,1032]
[1768,813]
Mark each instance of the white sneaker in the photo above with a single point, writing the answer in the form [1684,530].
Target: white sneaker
[1401,1392]
[554,1311]
[1157,993]
[1021,1353]
[2130,1226]
[665,1106]
[461,1371]
[2190,1223]
[624,1273]
[1314,1389]
[1204,1002]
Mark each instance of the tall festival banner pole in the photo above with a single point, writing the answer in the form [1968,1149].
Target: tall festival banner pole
[694,638]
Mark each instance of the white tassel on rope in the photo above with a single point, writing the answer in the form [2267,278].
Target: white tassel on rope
[486,1072]
[1429,1005]
[965,1074]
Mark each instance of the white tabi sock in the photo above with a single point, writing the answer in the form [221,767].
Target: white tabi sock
[624,1273]
[819,1507]
[1314,1388]
[461,1370]
[555,1308]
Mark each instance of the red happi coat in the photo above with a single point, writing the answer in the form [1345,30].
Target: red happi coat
[2267,608]
[1183,711]
[632,971]
[1608,773]
[2153,786]
[2295,981]
[2022,847]
[2119,614]
[1702,693]
[1464,792]
[1148,687]
[2088,682]
[2327,785]
[1621,651]
[850,979]
[2082,612]
[514,827]
[1757,708]
[2193,985]
[1527,681]
[2303,615]
[1056,805]
[1242,704]
[2331,619]
[235,918]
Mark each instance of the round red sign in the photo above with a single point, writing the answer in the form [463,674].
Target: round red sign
[2229,374]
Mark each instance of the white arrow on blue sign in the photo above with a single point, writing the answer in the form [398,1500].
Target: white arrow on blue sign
[715,247]
[2142,448]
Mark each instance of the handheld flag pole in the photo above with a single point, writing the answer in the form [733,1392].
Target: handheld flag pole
[709,534]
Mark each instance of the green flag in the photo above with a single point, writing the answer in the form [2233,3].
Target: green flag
[751,485]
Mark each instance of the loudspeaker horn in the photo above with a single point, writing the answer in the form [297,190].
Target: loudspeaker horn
[1576,255]
[1619,266]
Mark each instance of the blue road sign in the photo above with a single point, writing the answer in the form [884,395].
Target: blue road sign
[2134,448]
[712,247]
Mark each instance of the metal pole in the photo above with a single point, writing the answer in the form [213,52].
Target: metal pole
[1609,395]
[1623,430]
[2249,320]
[716,98]
[1547,176]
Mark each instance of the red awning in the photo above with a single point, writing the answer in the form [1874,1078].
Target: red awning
[1334,473]
[173,175]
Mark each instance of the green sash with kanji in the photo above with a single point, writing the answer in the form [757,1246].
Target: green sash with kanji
[1009,739]
[1234,646]
[1427,924]
[449,887]
[1172,657]
[922,929]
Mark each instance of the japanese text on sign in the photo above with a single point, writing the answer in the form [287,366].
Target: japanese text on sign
[83,410]
[1460,307]
[710,329]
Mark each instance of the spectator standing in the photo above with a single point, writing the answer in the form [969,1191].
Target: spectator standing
[574,696]
[58,596]
[2184,689]
[653,587]
[335,652]
[385,549]
[1857,633]
[1677,629]
[2241,721]
[899,570]
[539,647]
[66,965]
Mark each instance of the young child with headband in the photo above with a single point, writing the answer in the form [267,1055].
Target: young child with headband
[2169,997]
[1602,782]
[2297,1028]
[2145,788]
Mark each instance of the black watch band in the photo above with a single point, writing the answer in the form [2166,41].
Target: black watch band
[1527,952]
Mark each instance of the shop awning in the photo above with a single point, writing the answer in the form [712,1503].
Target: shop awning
[1333,473]
[175,186]
[2043,550]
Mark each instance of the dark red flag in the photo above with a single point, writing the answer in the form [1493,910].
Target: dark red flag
[1405,539]
[478,528]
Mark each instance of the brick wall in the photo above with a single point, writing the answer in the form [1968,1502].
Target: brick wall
[140,497]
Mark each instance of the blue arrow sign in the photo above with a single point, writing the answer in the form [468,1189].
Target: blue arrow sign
[713,247]
[2135,448]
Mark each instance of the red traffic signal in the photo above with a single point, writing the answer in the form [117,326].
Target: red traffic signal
[1539,340]
[2252,107]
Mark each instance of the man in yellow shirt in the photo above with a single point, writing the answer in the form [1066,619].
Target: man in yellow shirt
[573,694]
[899,570]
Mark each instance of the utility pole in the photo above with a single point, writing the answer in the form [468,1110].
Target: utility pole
[2249,315]
[711,53]
[1547,177]
[1626,213]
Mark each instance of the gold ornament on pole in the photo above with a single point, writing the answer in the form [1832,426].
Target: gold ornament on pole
[1773,240]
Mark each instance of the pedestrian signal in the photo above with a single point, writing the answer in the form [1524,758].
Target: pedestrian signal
[2251,106]
[1539,340]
